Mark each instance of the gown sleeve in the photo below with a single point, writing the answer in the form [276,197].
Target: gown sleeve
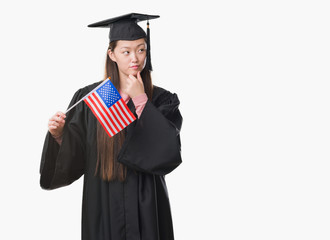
[154,145]
[63,164]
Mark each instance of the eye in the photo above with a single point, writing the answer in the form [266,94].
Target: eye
[126,52]
[141,50]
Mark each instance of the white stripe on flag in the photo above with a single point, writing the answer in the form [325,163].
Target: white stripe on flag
[104,116]
[98,114]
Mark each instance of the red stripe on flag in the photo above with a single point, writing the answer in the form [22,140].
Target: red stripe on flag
[95,114]
[111,118]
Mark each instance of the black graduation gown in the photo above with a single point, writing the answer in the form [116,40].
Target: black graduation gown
[137,209]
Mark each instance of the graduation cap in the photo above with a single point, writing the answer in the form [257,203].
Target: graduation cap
[125,27]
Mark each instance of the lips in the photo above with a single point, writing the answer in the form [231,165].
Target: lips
[134,66]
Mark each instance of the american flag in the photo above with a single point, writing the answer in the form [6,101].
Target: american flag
[109,108]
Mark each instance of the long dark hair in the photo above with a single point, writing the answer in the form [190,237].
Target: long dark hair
[108,148]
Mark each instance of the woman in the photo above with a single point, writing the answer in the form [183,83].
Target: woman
[124,195]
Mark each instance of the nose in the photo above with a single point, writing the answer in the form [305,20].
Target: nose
[134,57]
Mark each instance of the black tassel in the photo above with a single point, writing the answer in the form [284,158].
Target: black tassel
[148,63]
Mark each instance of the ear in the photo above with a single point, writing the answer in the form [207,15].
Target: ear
[111,55]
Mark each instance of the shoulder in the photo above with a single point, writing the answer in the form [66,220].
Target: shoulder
[162,96]
[88,88]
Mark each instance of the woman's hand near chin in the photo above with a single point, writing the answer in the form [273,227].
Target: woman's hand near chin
[134,86]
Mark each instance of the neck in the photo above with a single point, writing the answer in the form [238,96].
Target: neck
[122,80]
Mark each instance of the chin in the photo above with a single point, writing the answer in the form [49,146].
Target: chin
[134,72]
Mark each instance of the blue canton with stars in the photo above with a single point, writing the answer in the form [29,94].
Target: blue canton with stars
[108,93]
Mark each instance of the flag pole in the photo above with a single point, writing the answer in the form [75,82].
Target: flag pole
[75,104]
[100,85]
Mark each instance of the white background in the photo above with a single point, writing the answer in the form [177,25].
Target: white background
[253,80]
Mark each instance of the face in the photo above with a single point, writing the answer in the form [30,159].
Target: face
[130,56]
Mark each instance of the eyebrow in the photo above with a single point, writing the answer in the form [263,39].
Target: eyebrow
[136,46]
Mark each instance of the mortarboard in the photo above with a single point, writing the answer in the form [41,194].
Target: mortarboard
[125,27]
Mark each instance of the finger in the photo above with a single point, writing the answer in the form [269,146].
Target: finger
[57,118]
[132,77]
[61,114]
[139,76]
[53,123]
[54,120]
